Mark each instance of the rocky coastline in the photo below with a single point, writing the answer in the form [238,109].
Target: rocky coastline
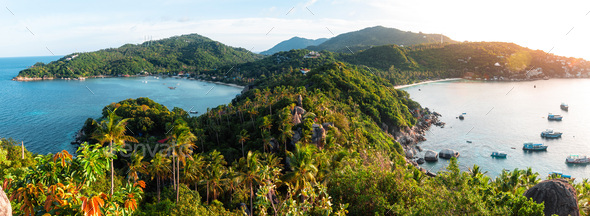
[410,137]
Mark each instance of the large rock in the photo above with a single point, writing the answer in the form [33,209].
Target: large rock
[557,194]
[431,156]
[5,208]
[297,113]
[448,154]
[319,134]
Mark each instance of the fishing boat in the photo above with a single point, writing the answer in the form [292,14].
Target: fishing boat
[549,133]
[498,155]
[172,87]
[534,146]
[194,112]
[577,159]
[560,175]
[564,107]
[554,117]
[469,141]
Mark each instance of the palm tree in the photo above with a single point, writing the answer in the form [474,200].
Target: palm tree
[249,168]
[243,137]
[193,170]
[303,166]
[112,130]
[265,127]
[159,168]
[214,171]
[182,142]
[136,166]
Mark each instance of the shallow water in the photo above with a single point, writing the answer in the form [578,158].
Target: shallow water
[502,116]
[46,114]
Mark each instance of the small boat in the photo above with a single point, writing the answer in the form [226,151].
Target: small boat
[498,155]
[534,147]
[171,87]
[549,133]
[469,141]
[554,117]
[564,107]
[560,175]
[577,159]
[194,112]
[461,117]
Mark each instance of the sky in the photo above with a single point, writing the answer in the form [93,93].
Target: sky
[61,27]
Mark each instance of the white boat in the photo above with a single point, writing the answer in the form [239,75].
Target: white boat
[577,159]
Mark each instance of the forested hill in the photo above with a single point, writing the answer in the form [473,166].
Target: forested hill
[191,52]
[376,36]
[293,43]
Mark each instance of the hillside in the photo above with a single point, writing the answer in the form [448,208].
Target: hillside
[293,43]
[191,52]
[323,143]
[377,36]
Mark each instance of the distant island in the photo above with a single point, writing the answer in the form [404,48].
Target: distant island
[405,58]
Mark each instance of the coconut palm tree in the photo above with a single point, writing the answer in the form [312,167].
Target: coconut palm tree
[159,168]
[112,130]
[249,168]
[243,137]
[181,144]
[214,170]
[193,170]
[303,166]
[136,167]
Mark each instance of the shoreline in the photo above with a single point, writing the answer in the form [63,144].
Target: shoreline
[426,82]
[27,79]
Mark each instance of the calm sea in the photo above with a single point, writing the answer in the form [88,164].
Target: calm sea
[46,114]
[501,116]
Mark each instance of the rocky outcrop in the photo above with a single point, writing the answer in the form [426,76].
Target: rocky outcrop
[557,194]
[18,78]
[297,113]
[318,135]
[5,208]
[431,156]
[448,154]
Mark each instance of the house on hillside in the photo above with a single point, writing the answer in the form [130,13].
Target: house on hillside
[312,54]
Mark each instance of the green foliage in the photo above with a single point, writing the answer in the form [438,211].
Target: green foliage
[186,53]
[376,36]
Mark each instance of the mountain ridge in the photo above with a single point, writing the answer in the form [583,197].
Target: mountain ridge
[293,43]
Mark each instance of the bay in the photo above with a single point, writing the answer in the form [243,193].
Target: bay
[47,114]
[501,116]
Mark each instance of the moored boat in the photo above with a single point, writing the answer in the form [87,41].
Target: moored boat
[560,175]
[564,106]
[577,159]
[549,133]
[194,112]
[499,154]
[554,117]
[534,146]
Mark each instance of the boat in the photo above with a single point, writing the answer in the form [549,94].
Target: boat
[577,159]
[564,107]
[498,155]
[549,133]
[534,147]
[469,141]
[560,175]
[171,87]
[554,117]
[461,117]
[194,112]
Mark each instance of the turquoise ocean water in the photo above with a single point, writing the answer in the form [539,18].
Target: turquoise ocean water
[46,114]
[501,116]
